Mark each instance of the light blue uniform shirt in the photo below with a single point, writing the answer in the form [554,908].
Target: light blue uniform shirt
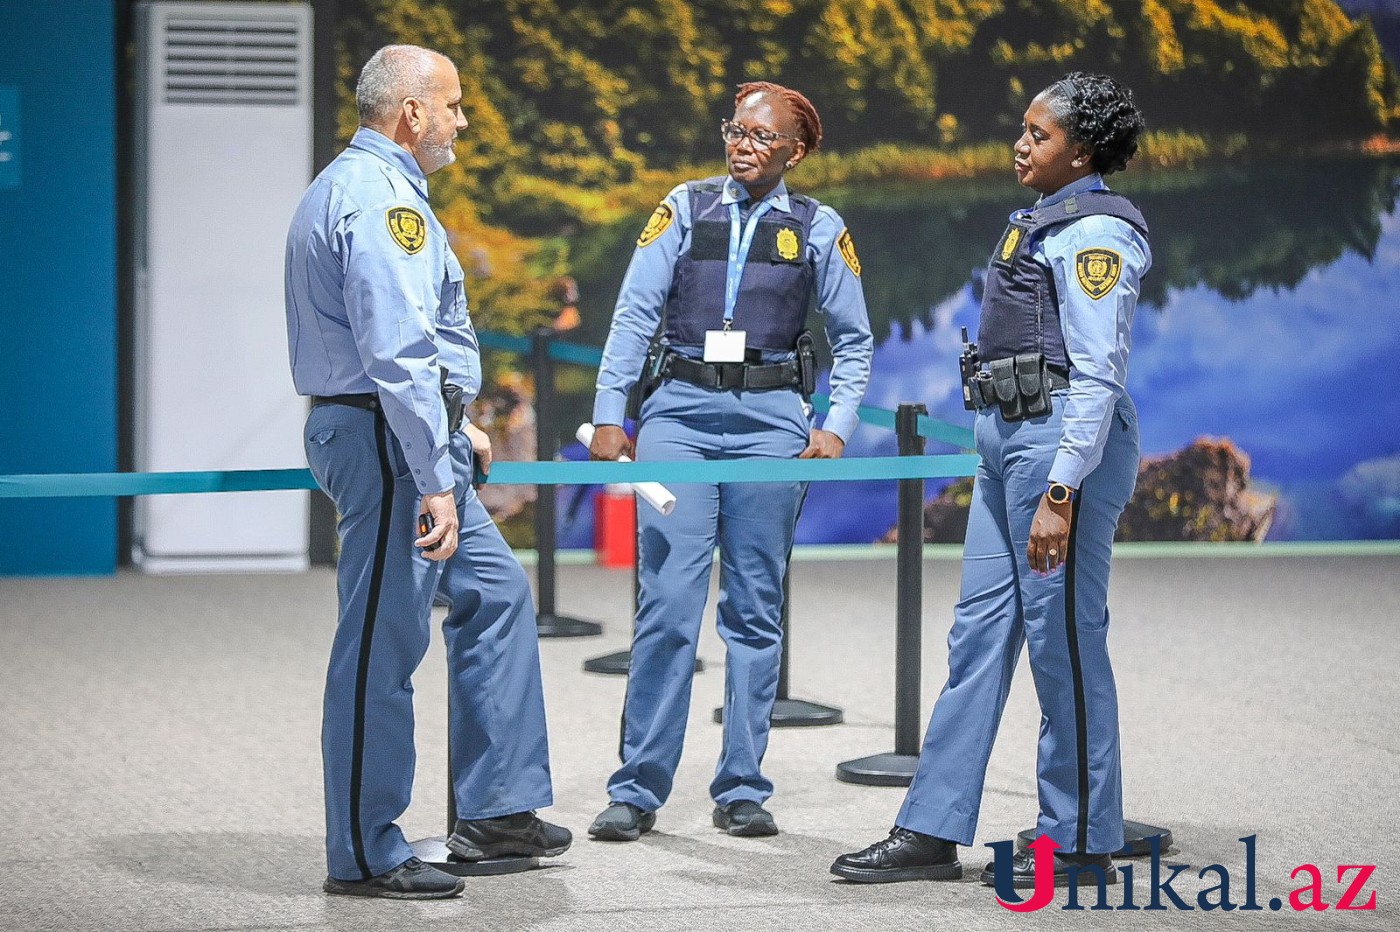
[1098,333]
[648,281]
[369,311]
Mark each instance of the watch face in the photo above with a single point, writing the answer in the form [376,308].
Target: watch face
[1060,494]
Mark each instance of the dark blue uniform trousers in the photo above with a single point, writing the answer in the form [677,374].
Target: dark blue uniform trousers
[753,525]
[1062,617]
[500,754]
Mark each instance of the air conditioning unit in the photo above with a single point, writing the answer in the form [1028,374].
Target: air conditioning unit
[223,154]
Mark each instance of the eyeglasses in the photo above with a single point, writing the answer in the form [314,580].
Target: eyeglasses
[733,133]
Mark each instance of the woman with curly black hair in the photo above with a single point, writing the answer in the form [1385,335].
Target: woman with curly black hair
[1058,439]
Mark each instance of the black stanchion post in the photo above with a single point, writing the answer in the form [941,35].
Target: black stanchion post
[434,850]
[897,769]
[550,624]
[789,712]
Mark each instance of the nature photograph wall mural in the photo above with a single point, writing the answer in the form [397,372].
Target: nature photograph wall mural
[1269,329]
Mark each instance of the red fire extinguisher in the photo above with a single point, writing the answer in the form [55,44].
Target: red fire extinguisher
[615,527]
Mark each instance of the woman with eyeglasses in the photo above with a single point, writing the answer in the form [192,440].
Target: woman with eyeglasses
[708,334]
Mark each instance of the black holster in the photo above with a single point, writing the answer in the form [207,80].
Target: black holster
[807,363]
[649,380]
[452,400]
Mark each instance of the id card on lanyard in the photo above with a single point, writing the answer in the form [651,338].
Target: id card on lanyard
[728,345]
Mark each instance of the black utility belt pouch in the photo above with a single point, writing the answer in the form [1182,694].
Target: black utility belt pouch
[1021,385]
[452,400]
[648,381]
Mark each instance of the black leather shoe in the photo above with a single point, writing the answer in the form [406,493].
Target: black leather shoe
[521,835]
[746,819]
[622,822]
[1023,869]
[905,855]
[411,880]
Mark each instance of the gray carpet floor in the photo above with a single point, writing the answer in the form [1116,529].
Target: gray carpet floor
[159,760]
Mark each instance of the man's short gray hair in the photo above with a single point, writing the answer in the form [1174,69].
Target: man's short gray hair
[392,74]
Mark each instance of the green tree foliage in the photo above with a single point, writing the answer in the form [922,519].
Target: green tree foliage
[584,111]
[579,94]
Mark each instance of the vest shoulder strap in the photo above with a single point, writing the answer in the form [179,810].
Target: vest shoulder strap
[1088,204]
[708,186]
[804,208]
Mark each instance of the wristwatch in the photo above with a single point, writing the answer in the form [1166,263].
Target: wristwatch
[1060,494]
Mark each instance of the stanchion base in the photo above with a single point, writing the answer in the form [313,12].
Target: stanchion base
[796,713]
[617,664]
[1135,839]
[562,626]
[434,851]
[879,770]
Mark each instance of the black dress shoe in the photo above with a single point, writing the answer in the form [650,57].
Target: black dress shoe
[1023,869]
[523,835]
[746,819]
[905,855]
[411,880]
[622,822]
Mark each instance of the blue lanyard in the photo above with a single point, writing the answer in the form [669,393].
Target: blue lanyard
[739,254]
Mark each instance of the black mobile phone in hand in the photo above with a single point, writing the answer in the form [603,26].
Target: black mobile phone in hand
[425,525]
[478,474]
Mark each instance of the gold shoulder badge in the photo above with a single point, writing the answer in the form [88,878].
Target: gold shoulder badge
[787,244]
[848,251]
[408,229]
[1008,245]
[660,219]
[1097,271]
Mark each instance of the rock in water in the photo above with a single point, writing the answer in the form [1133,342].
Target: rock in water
[1199,493]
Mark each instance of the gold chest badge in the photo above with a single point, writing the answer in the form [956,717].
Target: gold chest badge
[1097,270]
[788,246]
[408,229]
[656,224]
[1008,245]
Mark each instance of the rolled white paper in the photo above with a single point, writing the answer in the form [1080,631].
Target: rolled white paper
[653,493]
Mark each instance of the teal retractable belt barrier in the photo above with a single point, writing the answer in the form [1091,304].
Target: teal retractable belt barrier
[580,354]
[70,485]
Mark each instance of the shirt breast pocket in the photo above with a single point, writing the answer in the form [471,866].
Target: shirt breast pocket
[452,298]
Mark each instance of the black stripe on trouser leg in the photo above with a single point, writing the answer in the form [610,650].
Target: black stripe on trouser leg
[376,580]
[1076,669]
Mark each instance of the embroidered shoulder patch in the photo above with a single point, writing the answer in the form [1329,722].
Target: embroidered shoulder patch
[1097,270]
[408,228]
[660,219]
[848,251]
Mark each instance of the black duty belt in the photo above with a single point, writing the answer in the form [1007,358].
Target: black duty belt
[983,395]
[368,400]
[733,375]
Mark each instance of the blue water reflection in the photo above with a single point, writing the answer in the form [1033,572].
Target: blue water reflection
[1270,318]
[1302,380]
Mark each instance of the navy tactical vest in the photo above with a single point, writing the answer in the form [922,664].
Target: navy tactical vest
[1020,309]
[776,290]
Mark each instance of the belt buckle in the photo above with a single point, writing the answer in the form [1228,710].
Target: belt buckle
[729,375]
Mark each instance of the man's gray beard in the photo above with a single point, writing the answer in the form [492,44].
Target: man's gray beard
[437,155]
